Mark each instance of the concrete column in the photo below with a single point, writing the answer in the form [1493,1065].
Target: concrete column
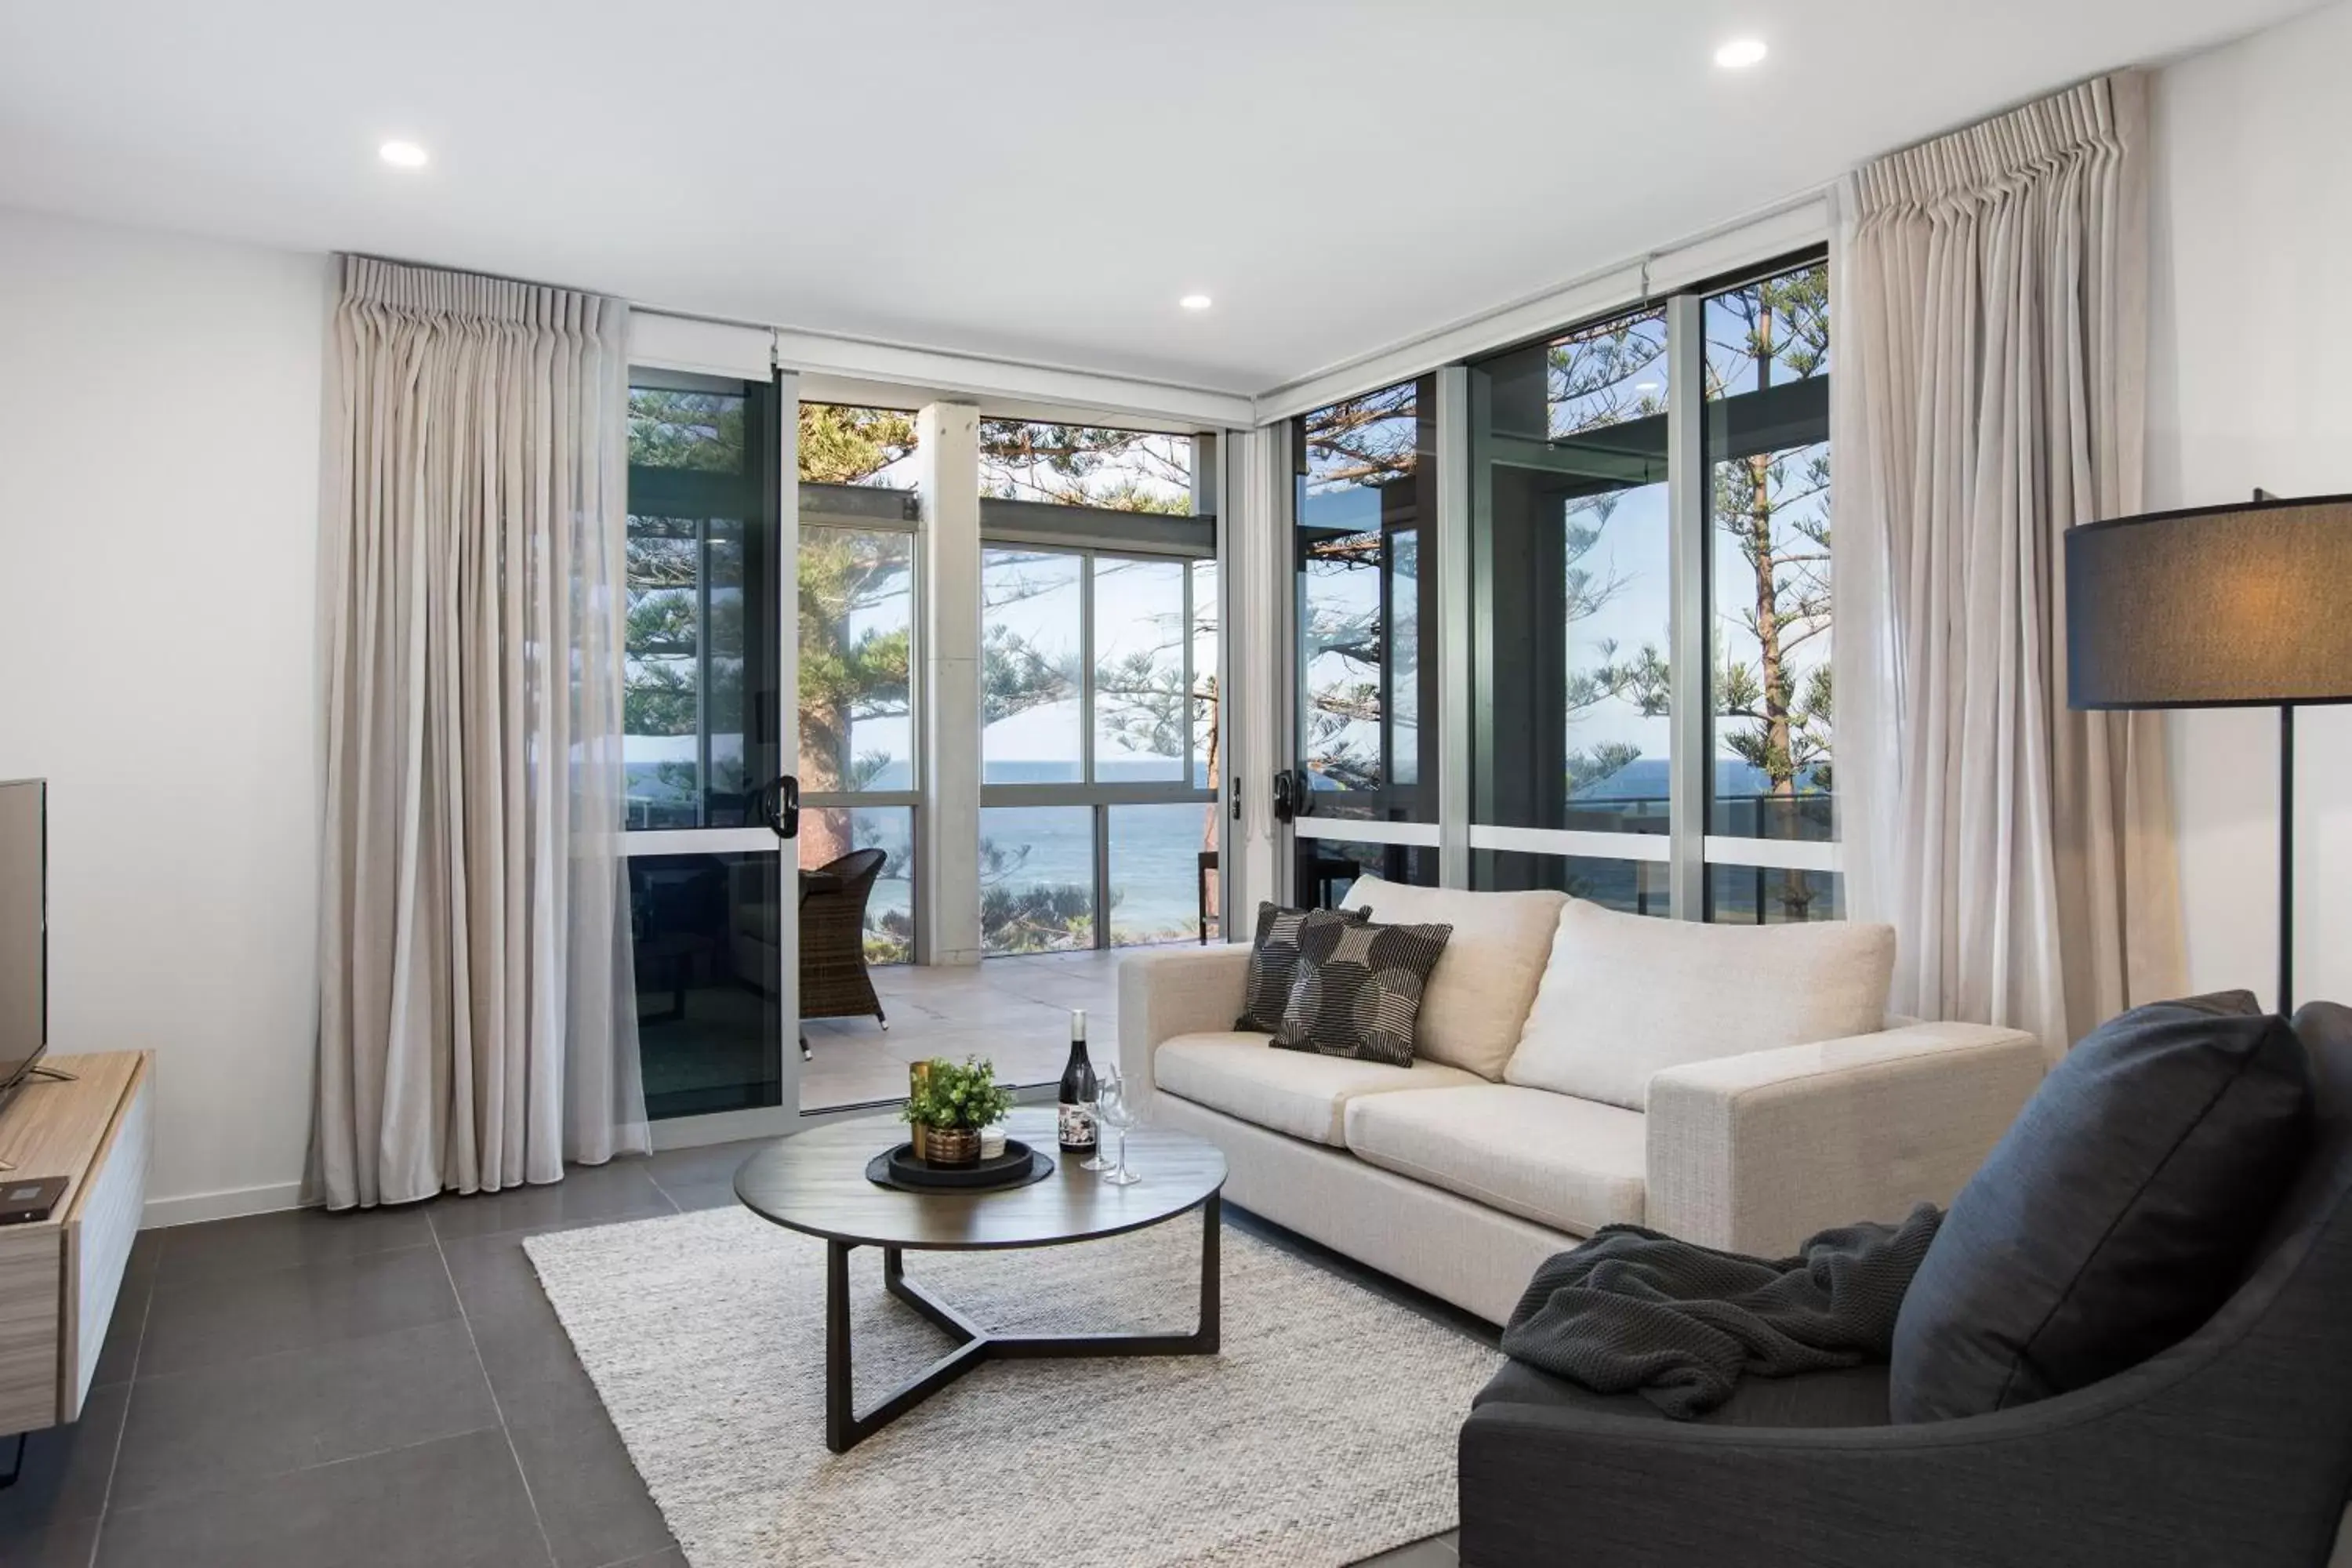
[947,856]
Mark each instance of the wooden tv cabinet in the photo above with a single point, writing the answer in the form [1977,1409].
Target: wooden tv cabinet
[59,1277]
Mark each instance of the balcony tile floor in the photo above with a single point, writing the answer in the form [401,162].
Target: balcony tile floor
[1014,1011]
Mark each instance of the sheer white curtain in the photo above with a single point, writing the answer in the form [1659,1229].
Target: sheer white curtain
[477,1024]
[1991,291]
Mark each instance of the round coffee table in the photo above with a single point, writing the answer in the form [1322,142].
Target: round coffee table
[814,1181]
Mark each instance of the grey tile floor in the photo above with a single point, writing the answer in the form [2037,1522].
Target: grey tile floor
[306,1390]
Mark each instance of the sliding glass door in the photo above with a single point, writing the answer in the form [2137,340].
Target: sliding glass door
[712,928]
[1359,793]
[1572,748]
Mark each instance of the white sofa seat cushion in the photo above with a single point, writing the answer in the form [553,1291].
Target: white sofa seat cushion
[1625,997]
[1478,996]
[1296,1092]
[1573,1165]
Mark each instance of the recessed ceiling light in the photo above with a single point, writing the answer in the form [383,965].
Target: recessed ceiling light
[1645,387]
[403,154]
[1194,301]
[1739,54]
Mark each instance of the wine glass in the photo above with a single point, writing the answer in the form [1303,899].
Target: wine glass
[1092,1105]
[1116,1110]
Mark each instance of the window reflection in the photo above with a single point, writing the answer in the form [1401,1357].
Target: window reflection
[1574,596]
[697,640]
[1366,489]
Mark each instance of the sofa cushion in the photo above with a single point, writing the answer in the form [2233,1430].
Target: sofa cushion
[1274,964]
[1359,988]
[1480,992]
[1294,1092]
[1625,997]
[1573,1165]
[2115,1216]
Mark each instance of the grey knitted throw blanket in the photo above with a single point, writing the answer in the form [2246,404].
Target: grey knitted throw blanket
[1631,1309]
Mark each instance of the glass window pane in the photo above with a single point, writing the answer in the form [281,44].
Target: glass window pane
[1759,895]
[1367,486]
[1140,697]
[1206,735]
[829,832]
[1159,892]
[1326,867]
[1036,877]
[1029,691]
[701,432]
[857,628]
[704,933]
[699,649]
[1636,887]
[1768,523]
[841,445]
[1572,612]
[1085,464]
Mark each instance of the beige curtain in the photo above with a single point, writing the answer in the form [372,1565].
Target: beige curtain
[477,1018]
[1991,289]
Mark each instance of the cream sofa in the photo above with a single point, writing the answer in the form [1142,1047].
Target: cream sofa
[1738,1086]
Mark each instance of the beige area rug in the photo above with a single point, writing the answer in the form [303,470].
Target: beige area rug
[1323,1433]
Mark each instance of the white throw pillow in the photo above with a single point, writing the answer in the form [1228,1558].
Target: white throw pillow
[1479,994]
[1625,997]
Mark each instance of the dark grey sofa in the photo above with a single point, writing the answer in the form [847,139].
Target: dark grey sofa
[2232,1448]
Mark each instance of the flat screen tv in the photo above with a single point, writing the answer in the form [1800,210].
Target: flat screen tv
[24,931]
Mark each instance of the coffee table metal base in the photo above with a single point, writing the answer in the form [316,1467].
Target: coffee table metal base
[844,1429]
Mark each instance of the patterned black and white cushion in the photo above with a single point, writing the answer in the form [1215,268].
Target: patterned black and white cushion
[1274,964]
[1358,988]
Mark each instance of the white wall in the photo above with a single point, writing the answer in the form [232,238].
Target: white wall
[159,463]
[2251,376]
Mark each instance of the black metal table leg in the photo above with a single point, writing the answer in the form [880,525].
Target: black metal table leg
[844,1429]
[1201,1340]
[950,1321]
[1212,1308]
[840,1423]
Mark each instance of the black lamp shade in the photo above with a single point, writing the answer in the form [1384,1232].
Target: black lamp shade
[2216,608]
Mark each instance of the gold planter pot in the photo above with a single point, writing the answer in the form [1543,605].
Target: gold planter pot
[943,1146]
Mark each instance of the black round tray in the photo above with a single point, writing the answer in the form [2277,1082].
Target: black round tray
[1017,1167]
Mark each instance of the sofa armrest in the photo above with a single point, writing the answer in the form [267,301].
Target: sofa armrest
[2091,1480]
[1174,991]
[1756,1152]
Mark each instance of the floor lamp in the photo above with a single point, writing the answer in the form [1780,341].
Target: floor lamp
[2219,606]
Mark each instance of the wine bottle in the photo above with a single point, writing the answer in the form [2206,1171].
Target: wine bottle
[1077,1122]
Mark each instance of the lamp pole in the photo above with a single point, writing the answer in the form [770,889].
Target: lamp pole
[2286,858]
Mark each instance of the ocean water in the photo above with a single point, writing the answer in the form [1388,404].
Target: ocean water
[1154,850]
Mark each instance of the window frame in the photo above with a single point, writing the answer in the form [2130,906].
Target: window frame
[1090,535]
[1688,849]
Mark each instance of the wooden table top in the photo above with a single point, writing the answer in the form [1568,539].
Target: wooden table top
[815,1182]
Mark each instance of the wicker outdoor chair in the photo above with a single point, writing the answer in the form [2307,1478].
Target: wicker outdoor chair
[834,982]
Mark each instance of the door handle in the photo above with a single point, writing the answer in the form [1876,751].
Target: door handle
[779,805]
[1286,795]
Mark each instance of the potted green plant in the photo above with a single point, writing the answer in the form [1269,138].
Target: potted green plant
[947,1105]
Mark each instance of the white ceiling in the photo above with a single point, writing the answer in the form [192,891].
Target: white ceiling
[1036,181]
